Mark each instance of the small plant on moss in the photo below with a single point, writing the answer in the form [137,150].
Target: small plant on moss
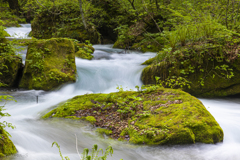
[173,82]
[182,32]
[120,88]
[86,155]
[173,39]
[88,42]
[4,124]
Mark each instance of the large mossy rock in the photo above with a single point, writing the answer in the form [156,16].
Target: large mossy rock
[154,116]
[6,145]
[206,70]
[49,64]
[10,65]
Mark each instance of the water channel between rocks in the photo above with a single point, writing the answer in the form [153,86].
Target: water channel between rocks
[111,67]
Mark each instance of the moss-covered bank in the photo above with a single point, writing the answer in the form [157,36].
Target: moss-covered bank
[6,145]
[10,65]
[49,64]
[206,69]
[153,116]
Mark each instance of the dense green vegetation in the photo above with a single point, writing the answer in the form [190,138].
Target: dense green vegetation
[147,25]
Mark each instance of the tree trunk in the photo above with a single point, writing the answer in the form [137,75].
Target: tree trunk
[156,2]
[82,14]
[227,14]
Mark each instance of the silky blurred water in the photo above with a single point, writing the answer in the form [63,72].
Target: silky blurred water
[19,32]
[109,68]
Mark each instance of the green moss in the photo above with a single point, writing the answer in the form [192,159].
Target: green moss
[91,119]
[104,131]
[49,64]
[73,117]
[154,116]
[149,61]
[6,145]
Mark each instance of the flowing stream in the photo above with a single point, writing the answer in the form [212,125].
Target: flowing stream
[111,67]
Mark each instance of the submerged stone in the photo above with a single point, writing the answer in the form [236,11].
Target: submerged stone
[49,64]
[153,116]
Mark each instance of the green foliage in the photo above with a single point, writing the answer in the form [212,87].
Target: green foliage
[174,82]
[120,88]
[124,36]
[6,147]
[8,18]
[94,155]
[3,33]
[4,124]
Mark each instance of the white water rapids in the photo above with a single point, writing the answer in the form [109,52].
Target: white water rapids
[33,137]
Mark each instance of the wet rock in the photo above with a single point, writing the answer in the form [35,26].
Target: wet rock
[49,64]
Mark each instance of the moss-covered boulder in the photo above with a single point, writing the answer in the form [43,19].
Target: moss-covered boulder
[10,65]
[6,145]
[49,64]
[153,116]
[208,69]
[84,51]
